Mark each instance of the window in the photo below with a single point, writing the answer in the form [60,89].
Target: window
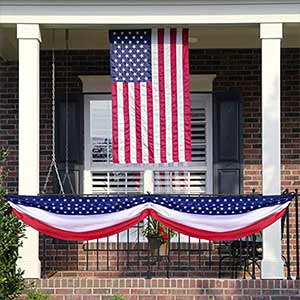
[107,178]
[100,113]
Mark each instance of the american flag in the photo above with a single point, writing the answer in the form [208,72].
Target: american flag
[204,217]
[150,95]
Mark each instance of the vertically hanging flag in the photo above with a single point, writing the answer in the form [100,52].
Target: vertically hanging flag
[150,95]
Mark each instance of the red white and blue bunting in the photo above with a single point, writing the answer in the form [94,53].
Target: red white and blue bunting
[204,217]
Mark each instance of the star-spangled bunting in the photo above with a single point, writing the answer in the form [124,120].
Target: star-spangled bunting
[90,217]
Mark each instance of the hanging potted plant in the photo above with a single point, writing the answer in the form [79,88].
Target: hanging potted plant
[158,237]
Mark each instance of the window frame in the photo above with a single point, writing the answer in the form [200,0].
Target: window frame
[90,167]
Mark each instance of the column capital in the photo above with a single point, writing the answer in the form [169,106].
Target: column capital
[29,31]
[271,30]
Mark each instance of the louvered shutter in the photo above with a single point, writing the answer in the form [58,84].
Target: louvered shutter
[198,125]
[228,137]
[176,182]
[75,138]
[193,177]
[117,183]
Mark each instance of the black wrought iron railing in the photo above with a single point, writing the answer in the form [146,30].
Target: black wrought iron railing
[290,238]
[134,254]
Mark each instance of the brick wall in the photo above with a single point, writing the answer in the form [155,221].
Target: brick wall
[169,289]
[235,68]
[9,117]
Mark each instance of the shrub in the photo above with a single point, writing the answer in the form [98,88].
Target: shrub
[36,295]
[11,232]
[119,297]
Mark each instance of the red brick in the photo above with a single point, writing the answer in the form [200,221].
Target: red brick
[216,291]
[254,292]
[121,291]
[195,291]
[178,291]
[233,291]
[131,297]
[158,291]
[64,291]
[146,297]
[138,292]
[101,291]
[270,292]
[222,298]
[73,297]
[56,297]
[91,297]
[83,291]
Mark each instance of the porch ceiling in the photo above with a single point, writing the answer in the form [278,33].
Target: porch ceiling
[96,37]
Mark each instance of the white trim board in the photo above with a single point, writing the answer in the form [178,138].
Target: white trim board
[142,12]
[142,2]
[102,84]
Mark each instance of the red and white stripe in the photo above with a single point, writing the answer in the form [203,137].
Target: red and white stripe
[151,121]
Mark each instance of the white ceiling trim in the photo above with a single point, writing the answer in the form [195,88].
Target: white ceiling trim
[142,2]
[172,13]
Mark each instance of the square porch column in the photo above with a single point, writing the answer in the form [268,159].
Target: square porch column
[29,125]
[271,34]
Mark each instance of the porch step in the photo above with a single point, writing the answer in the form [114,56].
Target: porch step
[91,288]
[137,274]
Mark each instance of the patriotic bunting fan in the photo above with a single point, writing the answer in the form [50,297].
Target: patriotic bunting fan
[204,217]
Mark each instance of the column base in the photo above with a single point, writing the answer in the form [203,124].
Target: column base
[29,254]
[272,269]
[32,269]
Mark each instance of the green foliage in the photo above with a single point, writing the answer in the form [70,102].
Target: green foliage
[36,295]
[11,231]
[119,297]
[155,230]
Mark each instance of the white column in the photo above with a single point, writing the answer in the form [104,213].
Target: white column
[271,34]
[29,114]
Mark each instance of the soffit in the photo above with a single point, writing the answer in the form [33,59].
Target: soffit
[96,37]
